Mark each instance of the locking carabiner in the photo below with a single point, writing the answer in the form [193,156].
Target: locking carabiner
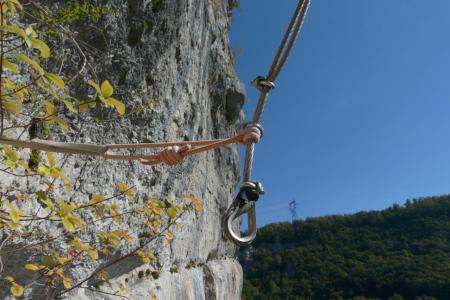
[243,203]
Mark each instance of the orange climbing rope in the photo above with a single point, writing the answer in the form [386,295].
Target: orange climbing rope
[172,153]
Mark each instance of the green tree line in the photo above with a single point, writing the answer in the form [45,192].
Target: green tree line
[402,252]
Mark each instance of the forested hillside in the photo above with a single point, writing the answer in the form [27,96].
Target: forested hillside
[402,252]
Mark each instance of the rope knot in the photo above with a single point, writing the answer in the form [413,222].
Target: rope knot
[250,133]
[261,83]
[173,155]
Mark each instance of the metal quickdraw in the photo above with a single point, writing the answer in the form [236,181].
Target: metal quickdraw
[243,203]
[251,190]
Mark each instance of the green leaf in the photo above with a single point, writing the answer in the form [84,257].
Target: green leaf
[106,89]
[41,46]
[56,80]
[118,105]
[34,64]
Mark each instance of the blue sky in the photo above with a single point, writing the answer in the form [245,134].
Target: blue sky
[360,117]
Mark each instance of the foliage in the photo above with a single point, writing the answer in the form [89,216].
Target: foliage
[402,252]
[32,98]
[74,11]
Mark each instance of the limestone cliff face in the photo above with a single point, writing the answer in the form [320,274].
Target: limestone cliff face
[175,51]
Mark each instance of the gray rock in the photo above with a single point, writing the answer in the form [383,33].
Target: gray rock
[175,51]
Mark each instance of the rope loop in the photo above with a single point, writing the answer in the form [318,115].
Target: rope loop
[173,155]
[262,84]
[251,133]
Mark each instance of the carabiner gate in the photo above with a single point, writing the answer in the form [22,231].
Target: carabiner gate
[243,203]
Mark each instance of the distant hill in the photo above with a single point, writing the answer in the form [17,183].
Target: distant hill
[402,252]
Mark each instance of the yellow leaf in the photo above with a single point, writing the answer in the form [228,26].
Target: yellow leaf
[41,46]
[9,278]
[51,159]
[96,199]
[51,112]
[67,282]
[102,275]
[85,105]
[56,80]
[63,260]
[106,89]
[15,213]
[30,32]
[10,66]
[95,86]
[10,164]
[43,170]
[113,211]
[70,106]
[169,236]
[62,124]
[93,254]
[12,106]
[16,3]
[10,152]
[118,105]
[34,267]
[14,29]
[65,208]
[34,64]
[67,224]
[17,289]
[24,165]
[42,196]
[172,212]
[123,188]
[79,244]
[195,201]
[11,8]
[76,222]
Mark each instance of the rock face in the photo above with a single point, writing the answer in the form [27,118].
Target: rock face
[170,62]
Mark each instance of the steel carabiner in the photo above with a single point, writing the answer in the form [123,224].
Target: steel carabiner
[243,203]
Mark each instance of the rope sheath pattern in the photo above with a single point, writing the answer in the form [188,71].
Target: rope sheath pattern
[173,153]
